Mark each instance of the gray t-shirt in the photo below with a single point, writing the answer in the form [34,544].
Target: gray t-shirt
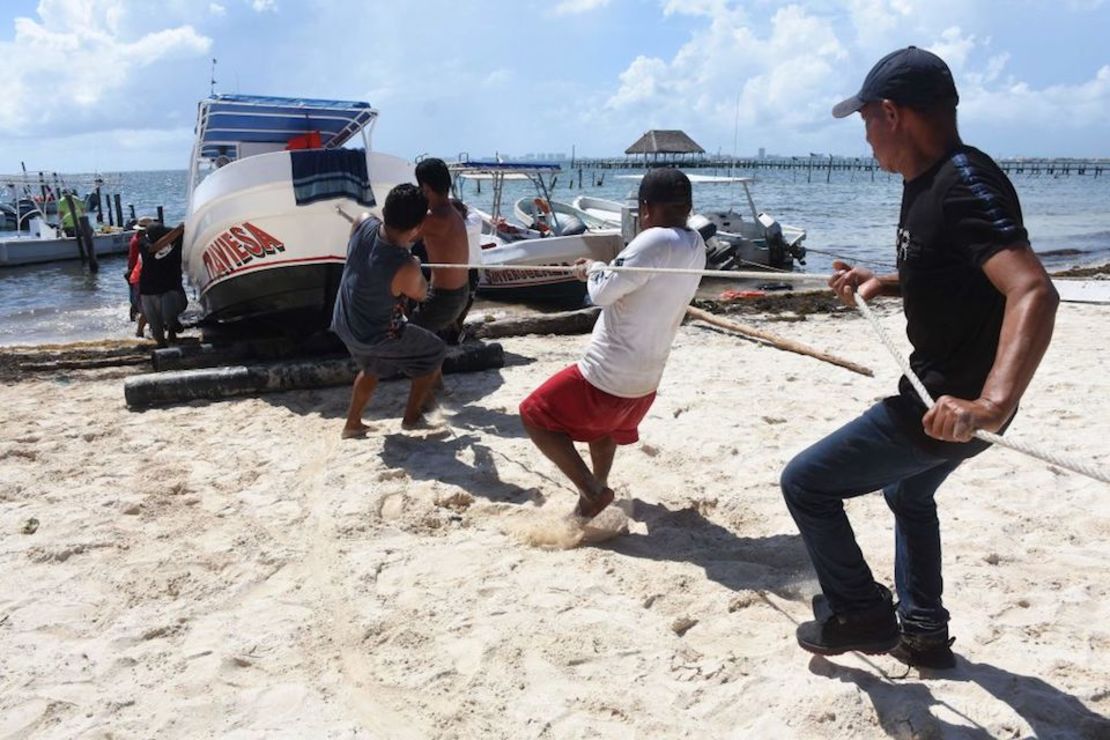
[366,311]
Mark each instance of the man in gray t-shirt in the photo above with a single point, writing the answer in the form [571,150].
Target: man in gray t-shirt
[379,275]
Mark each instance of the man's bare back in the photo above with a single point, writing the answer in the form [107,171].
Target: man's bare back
[445,239]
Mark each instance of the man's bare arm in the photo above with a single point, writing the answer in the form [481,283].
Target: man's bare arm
[409,281]
[358,222]
[174,233]
[1027,325]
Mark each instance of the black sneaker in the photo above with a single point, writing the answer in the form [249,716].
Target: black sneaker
[926,650]
[873,630]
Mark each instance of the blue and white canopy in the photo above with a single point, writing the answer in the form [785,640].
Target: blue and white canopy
[226,121]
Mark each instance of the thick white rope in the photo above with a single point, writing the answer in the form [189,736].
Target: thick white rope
[1076,466]
[792,277]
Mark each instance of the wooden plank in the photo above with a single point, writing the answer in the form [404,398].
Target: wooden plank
[776,341]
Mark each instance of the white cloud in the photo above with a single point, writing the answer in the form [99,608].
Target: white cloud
[264,6]
[73,67]
[217,10]
[779,77]
[1059,107]
[954,47]
[573,7]
[777,81]
[497,78]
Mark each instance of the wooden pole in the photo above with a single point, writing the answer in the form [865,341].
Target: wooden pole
[775,341]
[119,210]
[84,228]
[79,237]
[161,215]
[566,322]
[156,389]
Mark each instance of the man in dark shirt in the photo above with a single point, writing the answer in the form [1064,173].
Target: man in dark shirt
[160,289]
[979,310]
[379,277]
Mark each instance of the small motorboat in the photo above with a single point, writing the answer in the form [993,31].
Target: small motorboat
[507,244]
[606,212]
[739,241]
[558,218]
[35,236]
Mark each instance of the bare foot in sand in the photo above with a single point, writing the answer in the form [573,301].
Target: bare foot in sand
[355,432]
[426,429]
[590,506]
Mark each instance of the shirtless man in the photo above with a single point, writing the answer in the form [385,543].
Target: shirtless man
[445,240]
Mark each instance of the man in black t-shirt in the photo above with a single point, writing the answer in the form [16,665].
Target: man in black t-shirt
[160,288]
[979,312]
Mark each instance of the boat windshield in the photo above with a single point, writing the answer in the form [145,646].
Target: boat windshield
[498,172]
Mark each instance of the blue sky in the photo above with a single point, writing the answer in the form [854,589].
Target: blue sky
[113,84]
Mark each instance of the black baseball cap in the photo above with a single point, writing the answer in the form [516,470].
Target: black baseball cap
[665,185]
[909,76]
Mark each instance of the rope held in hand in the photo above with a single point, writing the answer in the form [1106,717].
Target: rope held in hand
[1076,466]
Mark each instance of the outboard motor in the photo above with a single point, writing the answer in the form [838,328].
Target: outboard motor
[570,226]
[776,245]
[702,225]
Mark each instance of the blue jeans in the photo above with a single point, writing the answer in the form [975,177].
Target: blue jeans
[871,453]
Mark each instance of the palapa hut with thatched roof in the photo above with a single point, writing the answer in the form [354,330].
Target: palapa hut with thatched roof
[671,143]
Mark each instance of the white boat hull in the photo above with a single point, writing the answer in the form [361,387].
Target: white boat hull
[1073,290]
[528,213]
[251,251]
[29,250]
[526,285]
[605,212]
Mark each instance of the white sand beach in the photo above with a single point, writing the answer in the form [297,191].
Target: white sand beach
[235,569]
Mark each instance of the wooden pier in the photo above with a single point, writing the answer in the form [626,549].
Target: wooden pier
[828,164]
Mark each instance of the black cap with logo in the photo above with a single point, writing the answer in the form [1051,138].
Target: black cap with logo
[909,76]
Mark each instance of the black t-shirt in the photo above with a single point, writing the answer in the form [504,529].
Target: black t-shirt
[955,217]
[161,272]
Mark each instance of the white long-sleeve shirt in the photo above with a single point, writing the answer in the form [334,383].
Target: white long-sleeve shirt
[641,312]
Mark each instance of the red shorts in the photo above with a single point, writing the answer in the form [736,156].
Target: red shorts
[568,403]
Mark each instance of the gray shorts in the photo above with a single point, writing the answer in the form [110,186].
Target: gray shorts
[416,352]
[441,309]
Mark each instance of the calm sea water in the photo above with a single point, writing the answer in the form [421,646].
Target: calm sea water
[853,215]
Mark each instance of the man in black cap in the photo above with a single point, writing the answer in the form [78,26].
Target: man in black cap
[980,311]
[602,399]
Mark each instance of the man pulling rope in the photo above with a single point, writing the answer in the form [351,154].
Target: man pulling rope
[980,311]
[602,399]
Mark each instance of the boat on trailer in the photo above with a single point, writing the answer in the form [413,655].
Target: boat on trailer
[505,243]
[271,191]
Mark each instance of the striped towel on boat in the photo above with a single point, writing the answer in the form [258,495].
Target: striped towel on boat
[321,174]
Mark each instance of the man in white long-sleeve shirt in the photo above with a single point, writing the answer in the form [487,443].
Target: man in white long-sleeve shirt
[601,399]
